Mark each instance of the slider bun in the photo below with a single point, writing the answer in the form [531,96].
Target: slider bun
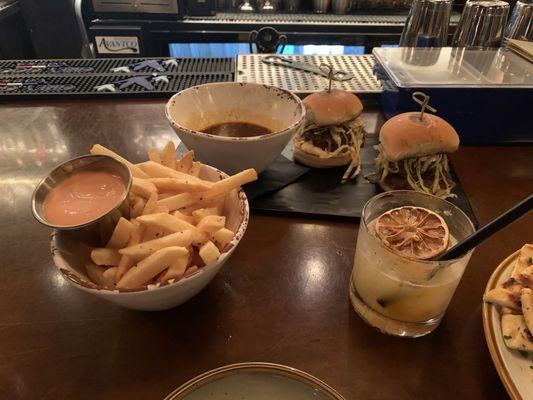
[332,108]
[315,157]
[405,136]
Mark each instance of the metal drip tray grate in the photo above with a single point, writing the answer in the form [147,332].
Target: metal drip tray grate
[358,19]
[305,19]
[250,68]
[136,77]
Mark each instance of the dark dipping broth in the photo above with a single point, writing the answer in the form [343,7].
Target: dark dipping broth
[237,129]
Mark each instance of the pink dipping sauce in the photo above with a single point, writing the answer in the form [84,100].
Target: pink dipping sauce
[83,197]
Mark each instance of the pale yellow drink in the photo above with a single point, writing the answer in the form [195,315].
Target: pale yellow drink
[399,295]
[401,288]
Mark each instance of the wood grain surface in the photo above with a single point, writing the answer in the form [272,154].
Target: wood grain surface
[282,297]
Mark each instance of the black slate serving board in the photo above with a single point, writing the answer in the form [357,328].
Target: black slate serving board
[290,188]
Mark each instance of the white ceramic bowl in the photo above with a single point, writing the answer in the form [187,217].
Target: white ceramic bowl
[199,107]
[70,256]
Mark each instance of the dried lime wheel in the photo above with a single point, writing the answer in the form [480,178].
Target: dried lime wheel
[413,232]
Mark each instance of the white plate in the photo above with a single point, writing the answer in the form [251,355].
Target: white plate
[514,368]
[255,381]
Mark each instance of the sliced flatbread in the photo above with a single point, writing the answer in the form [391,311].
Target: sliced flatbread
[507,310]
[527,307]
[515,296]
[515,333]
[525,259]
[506,295]
[526,277]
[526,254]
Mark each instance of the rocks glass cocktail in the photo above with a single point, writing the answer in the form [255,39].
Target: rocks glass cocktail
[398,295]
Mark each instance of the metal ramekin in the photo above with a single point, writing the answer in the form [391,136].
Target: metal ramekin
[97,231]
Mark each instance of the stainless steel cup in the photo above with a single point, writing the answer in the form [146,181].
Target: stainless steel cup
[521,22]
[427,24]
[320,6]
[268,6]
[481,24]
[340,6]
[98,231]
[246,7]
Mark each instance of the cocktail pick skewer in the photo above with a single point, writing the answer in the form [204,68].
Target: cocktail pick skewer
[488,230]
[422,99]
[331,74]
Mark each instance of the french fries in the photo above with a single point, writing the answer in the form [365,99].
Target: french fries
[142,187]
[176,225]
[186,161]
[144,249]
[168,155]
[155,170]
[151,266]
[161,209]
[135,171]
[217,203]
[173,224]
[204,212]
[185,217]
[178,185]
[121,234]
[153,155]
[110,275]
[151,204]
[195,169]
[104,256]
[209,253]
[137,208]
[127,262]
[154,232]
[97,275]
[233,182]
[223,236]
[176,270]
[211,223]
[180,200]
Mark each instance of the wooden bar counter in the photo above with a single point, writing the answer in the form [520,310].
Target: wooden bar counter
[282,297]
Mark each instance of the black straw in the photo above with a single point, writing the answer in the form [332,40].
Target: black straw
[488,230]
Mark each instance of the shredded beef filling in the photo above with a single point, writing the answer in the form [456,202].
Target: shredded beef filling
[428,174]
[322,138]
[344,139]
